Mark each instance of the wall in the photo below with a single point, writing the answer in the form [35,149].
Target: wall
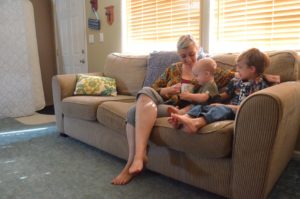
[98,51]
[46,45]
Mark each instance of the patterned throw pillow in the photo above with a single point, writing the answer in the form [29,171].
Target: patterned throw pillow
[95,85]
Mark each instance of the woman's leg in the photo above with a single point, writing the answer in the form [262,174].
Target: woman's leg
[146,113]
[124,176]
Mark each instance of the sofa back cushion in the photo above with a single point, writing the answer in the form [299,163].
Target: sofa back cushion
[283,63]
[157,63]
[128,70]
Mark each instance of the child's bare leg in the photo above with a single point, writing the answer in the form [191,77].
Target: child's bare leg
[144,125]
[190,125]
[124,176]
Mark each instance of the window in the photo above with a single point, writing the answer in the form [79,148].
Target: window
[157,24]
[265,24]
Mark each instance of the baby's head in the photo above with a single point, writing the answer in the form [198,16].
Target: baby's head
[252,63]
[204,70]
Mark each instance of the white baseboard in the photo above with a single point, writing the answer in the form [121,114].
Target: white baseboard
[296,155]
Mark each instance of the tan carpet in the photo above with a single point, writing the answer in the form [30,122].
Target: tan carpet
[36,119]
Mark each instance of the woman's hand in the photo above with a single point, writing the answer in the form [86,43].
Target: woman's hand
[172,90]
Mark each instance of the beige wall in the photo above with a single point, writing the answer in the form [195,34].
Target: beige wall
[46,45]
[98,51]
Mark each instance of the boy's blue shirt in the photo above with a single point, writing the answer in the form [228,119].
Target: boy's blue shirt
[238,89]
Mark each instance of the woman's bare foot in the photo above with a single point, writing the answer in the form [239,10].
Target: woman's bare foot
[172,109]
[124,177]
[190,125]
[137,165]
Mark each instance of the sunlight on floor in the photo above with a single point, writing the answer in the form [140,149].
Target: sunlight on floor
[20,132]
[36,119]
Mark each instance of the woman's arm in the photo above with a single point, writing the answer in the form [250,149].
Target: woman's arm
[161,84]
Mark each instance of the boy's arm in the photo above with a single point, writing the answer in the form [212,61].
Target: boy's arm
[235,108]
[195,97]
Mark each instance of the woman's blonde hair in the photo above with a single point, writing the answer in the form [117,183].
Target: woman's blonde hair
[185,41]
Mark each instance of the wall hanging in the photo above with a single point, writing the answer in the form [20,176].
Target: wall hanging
[109,12]
[94,20]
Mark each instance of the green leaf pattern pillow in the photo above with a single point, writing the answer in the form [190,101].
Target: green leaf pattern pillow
[95,85]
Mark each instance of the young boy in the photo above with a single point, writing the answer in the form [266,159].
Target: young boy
[250,67]
[203,71]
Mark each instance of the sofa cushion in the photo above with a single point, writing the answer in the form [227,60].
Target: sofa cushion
[128,70]
[113,114]
[85,107]
[212,141]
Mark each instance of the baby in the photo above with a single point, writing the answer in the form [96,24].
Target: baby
[203,71]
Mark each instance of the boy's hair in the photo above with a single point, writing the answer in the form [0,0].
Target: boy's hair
[185,41]
[206,64]
[256,58]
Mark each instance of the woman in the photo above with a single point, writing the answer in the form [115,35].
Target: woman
[154,102]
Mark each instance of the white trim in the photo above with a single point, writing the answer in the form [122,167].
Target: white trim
[123,26]
[85,38]
[205,13]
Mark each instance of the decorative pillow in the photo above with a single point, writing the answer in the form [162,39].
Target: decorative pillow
[95,85]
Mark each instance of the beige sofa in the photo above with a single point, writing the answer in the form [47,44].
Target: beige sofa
[236,159]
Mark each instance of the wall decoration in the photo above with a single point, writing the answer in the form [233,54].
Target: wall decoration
[94,20]
[109,12]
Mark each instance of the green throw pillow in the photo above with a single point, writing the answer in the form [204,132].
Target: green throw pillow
[95,85]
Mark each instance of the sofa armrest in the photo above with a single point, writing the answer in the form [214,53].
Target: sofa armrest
[266,130]
[63,86]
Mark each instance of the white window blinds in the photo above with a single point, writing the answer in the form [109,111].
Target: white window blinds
[157,24]
[265,24]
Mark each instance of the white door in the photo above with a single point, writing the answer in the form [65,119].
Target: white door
[71,36]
